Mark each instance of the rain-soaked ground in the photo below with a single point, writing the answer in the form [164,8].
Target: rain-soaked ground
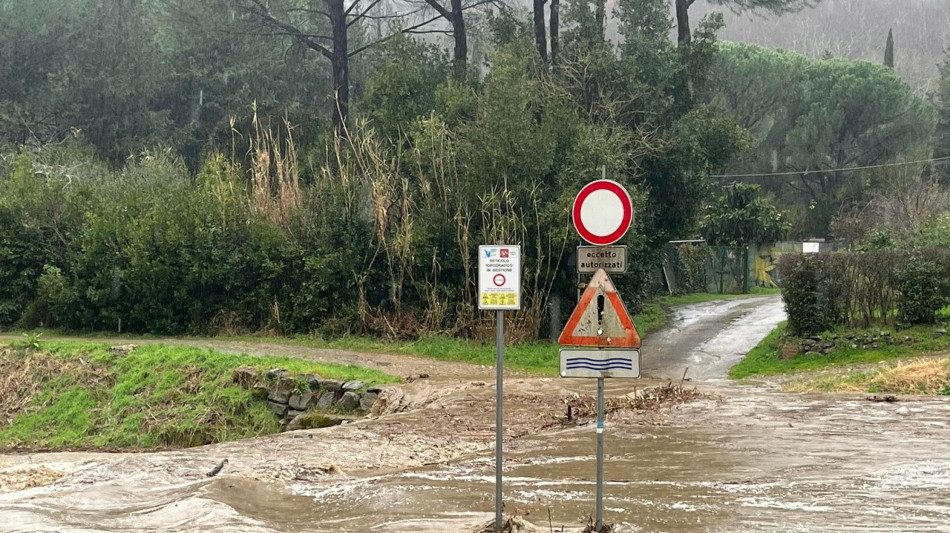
[746,459]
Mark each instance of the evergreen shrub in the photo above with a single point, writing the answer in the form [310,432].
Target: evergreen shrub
[923,291]
[822,291]
[802,290]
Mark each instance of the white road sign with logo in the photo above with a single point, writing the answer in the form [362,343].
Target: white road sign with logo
[499,277]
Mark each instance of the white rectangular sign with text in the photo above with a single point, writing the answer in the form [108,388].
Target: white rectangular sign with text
[499,277]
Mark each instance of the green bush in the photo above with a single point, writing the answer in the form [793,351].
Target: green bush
[22,245]
[923,291]
[803,289]
[55,296]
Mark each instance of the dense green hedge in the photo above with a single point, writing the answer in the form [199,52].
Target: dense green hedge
[822,291]
[166,252]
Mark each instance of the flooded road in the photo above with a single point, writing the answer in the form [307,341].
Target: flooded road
[744,459]
[749,464]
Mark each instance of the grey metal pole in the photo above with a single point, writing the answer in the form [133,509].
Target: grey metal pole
[599,523]
[499,411]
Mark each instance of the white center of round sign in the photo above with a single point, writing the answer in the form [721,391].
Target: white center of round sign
[602,212]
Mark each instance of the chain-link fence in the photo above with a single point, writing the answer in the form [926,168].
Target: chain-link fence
[694,266]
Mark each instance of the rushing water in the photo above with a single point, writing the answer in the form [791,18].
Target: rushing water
[755,461]
[775,464]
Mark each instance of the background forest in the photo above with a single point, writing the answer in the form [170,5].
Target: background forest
[321,165]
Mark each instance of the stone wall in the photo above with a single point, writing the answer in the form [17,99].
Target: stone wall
[308,400]
[817,345]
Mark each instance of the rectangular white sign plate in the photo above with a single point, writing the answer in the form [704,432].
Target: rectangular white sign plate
[499,277]
[613,259]
[600,363]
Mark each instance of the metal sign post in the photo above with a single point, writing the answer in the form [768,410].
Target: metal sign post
[499,411]
[599,501]
[499,288]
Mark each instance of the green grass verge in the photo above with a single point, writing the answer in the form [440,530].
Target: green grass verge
[766,359]
[538,357]
[84,396]
[535,357]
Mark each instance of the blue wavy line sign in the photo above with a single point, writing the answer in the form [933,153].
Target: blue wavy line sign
[602,363]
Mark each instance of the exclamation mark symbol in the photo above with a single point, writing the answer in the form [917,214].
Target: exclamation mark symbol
[600,314]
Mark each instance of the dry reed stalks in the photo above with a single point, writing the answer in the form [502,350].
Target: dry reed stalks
[362,163]
[417,193]
[275,175]
[927,376]
[918,377]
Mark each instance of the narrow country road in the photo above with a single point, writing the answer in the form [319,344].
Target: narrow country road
[709,338]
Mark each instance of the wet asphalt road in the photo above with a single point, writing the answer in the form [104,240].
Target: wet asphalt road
[709,338]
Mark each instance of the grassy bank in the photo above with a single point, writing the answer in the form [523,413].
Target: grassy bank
[68,395]
[776,354]
[923,376]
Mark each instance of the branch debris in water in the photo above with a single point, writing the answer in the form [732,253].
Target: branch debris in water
[643,400]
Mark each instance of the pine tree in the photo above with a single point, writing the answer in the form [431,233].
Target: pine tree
[889,49]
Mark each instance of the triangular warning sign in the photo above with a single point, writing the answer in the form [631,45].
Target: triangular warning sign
[600,318]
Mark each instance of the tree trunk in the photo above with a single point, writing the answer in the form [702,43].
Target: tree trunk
[460,56]
[555,23]
[600,12]
[339,62]
[540,31]
[682,21]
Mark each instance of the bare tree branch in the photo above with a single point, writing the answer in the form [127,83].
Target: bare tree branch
[291,30]
[422,32]
[396,15]
[446,14]
[308,10]
[361,15]
[409,29]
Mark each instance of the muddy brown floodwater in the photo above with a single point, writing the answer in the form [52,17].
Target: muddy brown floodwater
[748,458]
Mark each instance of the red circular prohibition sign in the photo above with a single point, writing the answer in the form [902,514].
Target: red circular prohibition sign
[626,218]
